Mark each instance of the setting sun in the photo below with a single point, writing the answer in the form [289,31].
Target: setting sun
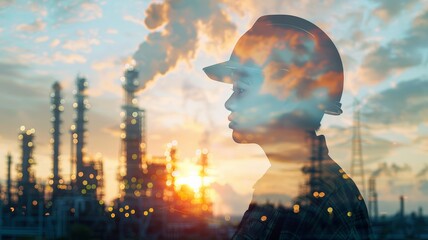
[192,181]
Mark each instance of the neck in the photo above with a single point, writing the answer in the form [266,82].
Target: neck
[288,145]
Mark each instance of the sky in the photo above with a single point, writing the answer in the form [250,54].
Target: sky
[382,45]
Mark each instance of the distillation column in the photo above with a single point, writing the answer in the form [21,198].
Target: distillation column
[78,130]
[57,109]
[133,146]
[26,183]
[9,180]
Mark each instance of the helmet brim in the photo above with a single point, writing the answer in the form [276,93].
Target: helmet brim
[221,72]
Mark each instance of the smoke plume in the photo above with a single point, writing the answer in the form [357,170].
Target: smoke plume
[175,26]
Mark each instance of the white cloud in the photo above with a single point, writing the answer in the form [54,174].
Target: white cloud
[41,39]
[55,43]
[112,31]
[105,64]
[36,26]
[38,8]
[31,57]
[6,3]
[402,106]
[389,9]
[70,58]
[134,20]
[80,44]
[90,11]
[75,11]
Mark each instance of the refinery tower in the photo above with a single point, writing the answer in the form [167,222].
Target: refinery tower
[78,131]
[28,194]
[133,140]
[87,171]
[57,109]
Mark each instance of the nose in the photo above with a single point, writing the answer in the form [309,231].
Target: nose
[230,104]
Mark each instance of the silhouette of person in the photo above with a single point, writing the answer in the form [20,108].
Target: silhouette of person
[286,74]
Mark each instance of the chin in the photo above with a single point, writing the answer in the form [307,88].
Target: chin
[236,137]
[240,137]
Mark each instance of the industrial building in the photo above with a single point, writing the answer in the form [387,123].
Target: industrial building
[150,205]
[72,207]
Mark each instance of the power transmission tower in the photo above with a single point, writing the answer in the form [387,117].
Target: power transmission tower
[357,166]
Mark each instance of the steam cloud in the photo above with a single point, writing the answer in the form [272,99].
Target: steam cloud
[176,25]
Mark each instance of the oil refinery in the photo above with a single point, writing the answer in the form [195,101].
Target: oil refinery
[151,203]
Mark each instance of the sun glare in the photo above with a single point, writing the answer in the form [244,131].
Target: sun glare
[192,181]
[189,174]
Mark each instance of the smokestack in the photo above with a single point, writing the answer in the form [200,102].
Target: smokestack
[401,206]
[57,108]
[373,202]
[9,179]
[78,129]
[132,139]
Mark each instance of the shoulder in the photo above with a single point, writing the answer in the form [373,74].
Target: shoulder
[259,222]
